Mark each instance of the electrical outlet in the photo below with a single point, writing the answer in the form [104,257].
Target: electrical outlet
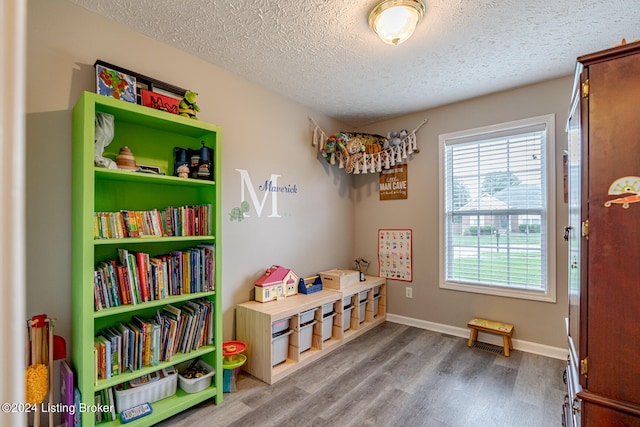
[408,292]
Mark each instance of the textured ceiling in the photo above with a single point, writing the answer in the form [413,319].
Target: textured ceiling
[322,53]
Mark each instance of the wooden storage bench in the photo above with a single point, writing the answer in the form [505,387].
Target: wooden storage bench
[493,327]
[254,322]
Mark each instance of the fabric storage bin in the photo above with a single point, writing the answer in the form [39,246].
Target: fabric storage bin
[280,347]
[306,334]
[327,326]
[346,317]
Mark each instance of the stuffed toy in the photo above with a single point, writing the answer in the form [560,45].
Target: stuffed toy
[336,143]
[395,138]
[188,106]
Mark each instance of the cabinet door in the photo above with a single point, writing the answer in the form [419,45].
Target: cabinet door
[613,301]
[573,234]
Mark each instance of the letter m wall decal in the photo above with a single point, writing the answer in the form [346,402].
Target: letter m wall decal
[245,182]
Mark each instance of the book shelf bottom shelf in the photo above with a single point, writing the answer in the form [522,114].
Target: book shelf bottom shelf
[165,408]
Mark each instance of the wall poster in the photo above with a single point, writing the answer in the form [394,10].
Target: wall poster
[394,253]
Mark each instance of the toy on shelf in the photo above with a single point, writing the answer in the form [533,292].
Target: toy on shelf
[362,265]
[188,107]
[276,283]
[104,135]
[125,159]
[309,285]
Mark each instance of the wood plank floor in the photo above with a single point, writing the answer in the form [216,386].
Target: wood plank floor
[396,375]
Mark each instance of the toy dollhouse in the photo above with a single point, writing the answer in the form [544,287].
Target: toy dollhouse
[276,283]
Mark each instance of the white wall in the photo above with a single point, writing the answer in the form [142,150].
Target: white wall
[262,133]
[536,322]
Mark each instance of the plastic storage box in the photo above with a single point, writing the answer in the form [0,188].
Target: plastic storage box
[327,325]
[280,340]
[362,298]
[327,308]
[280,347]
[306,334]
[376,300]
[280,325]
[306,329]
[148,388]
[307,316]
[194,385]
[346,317]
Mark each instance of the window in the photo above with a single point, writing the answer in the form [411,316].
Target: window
[497,210]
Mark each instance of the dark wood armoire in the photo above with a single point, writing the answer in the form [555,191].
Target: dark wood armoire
[603,169]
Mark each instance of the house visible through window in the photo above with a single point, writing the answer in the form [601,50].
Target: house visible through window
[497,209]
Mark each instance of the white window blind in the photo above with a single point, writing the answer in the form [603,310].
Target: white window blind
[495,209]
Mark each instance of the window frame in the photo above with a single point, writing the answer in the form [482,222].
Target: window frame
[549,196]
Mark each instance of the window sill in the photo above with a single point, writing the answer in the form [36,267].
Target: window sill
[549,296]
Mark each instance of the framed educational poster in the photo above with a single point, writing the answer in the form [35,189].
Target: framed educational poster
[394,253]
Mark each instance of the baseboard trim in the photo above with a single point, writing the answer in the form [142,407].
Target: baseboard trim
[528,346]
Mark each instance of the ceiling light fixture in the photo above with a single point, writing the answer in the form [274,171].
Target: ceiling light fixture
[395,20]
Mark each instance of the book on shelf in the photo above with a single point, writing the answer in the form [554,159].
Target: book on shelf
[105,398]
[171,221]
[66,393]
[137,277]
[77,403]
[130,346]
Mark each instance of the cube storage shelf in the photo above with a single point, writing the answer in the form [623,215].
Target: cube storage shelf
[152,136]
[255,321]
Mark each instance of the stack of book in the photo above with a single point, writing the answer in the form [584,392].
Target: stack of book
[138,277]
[129,346]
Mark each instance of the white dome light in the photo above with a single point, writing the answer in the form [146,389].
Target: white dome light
[395,20]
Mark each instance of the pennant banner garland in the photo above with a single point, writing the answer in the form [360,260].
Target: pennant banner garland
[364,152]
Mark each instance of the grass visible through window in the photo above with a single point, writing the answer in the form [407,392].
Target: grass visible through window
[512,260]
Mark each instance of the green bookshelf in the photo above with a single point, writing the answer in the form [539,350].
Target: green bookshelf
[152,136]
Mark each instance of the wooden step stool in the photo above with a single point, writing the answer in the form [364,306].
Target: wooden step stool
[484,325]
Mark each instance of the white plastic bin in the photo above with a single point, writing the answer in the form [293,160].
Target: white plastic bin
[327,326]
[306,335]
[376,299]
[307,316]
[194,385]
[327,308]
[279,326]
[362,296]
[363,306]
[159,384]
[280,348]
[346,318]
[346,301]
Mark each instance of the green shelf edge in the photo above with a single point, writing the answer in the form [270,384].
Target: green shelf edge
[106,312]
[176,359]
[167,407]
